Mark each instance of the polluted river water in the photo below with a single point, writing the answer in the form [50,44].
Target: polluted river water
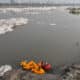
[50,34]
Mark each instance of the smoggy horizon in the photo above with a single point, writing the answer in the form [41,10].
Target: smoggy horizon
[42,1]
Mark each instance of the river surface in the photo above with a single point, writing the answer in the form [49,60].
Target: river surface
[51,35]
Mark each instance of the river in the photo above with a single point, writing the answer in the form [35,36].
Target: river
[50,35]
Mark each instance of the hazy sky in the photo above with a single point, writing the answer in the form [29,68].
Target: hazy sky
[41,1]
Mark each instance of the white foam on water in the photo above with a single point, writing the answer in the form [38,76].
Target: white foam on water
[7,25]
[41,8]
[4,10]
[4,69]
[32,13]
[52,24]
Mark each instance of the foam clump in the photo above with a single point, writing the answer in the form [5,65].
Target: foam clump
[41,8]
[4,69]
[7,25]
[52,24]
[25,9]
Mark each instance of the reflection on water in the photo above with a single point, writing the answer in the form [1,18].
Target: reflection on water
[52,35]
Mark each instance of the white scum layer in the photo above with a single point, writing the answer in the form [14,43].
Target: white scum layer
[7,25]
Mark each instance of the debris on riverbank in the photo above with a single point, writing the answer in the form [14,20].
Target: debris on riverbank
[71,72]
[26,75]
[4,69]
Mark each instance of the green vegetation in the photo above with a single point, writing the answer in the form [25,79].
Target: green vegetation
[75,11]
